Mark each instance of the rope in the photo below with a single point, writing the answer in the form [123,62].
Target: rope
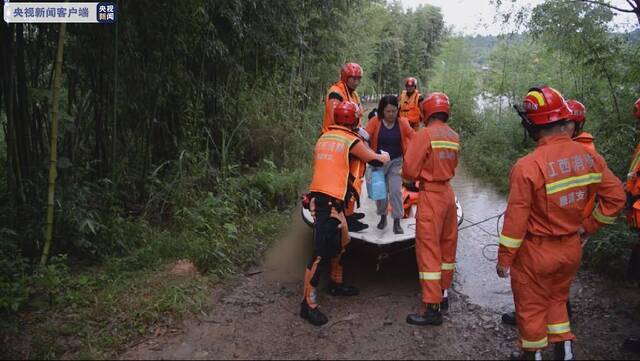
[484,252]
[490,245]
[480,222]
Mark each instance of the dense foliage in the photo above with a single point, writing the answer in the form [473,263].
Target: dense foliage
[572,47]
[185,132]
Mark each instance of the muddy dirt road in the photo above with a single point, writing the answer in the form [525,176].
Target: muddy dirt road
[256,317]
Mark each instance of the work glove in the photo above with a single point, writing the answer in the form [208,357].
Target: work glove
[503,272]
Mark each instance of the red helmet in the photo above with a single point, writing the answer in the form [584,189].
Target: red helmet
[411,81]
[636,109]
[545,106]
[350,70]
[435,103]
[345,114]
[577,111]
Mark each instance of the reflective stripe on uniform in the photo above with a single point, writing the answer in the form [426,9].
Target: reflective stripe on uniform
[337,137]
[634,164]
[602,218]
[535,344]
[445,144]
[430,276]
[510,242]
[448,266]
[559,328]
[573,182]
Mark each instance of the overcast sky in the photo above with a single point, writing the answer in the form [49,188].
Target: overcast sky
[477,16]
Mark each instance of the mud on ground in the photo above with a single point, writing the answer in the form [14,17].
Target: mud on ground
[256,316]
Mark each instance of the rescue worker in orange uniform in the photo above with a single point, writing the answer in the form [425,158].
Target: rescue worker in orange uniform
[329,193]
[410,100]
[431,158]
[578,116]
[632,188]
[578,119]
[345,90]
[540,242]
[632,185]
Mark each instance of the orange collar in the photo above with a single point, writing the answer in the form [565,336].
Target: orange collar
[343,128]
[435,122]
[553,139]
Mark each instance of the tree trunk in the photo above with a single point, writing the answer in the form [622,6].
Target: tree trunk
[114,136]
[20,112]
[53,159]
[15,179]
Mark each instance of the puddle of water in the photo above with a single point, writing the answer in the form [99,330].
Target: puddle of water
[476,276]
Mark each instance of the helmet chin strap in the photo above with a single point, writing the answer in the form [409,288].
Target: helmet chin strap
[527,124]
[578,129]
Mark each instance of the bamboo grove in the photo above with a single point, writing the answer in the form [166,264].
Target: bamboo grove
[197,91]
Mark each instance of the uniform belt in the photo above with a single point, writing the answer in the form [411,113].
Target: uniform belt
[563,237]
[323,199]
[434,186]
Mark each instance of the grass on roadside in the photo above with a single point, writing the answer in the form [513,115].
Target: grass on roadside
[96,313]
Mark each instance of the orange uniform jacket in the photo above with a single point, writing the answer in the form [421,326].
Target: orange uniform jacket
[331,166]
[633,181]
[549,189]
[337,93]
[432,155]
[586,140]
[410,107]
[373,128]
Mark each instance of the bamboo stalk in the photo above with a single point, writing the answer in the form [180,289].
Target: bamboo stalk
[53,150]
[115,105]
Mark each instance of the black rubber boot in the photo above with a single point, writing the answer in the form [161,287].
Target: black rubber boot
[632,345]
[357,215]
[526,355]
[383,221]
[396,227]
[313,315]
[340,289]
[563,351]
[431,317]
[509,318]
[444,305]
[355,225]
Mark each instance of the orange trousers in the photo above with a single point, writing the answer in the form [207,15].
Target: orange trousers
[436,241]
[541,277]
[330,243]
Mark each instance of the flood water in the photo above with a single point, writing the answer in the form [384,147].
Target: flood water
[475,275]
